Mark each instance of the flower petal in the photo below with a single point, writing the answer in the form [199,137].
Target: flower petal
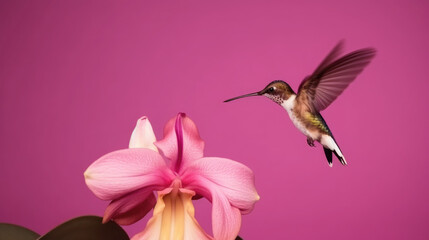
[121,172]
[131,207]
[181,143]
[143,135]
[232,179]
[226,219]
[193,230]
[173,218]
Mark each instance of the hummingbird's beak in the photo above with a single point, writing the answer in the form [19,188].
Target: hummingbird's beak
[243,96]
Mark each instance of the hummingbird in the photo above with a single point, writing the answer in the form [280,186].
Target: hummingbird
[315,93]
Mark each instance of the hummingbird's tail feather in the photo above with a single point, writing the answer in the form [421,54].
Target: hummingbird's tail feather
[340,157]
[328,154]
[330,146]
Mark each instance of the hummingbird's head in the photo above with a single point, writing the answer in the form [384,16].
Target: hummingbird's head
[277,90]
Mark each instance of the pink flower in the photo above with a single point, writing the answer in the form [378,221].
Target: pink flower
[176,169]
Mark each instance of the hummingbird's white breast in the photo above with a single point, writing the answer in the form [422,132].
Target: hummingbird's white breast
[288,105]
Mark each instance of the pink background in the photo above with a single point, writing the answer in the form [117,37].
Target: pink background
[76,75]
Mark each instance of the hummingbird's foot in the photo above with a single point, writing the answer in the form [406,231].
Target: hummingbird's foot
[310,142]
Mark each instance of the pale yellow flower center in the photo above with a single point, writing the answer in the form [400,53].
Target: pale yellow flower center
[174,217]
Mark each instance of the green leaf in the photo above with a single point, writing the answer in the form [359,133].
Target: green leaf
[15,232]
[86,228]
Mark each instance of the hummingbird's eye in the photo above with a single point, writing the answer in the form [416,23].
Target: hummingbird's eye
[271,89]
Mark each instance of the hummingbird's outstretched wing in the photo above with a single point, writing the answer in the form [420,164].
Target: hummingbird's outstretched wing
[333,54]
[332,76]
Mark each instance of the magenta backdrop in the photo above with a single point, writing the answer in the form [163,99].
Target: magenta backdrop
[76,75]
